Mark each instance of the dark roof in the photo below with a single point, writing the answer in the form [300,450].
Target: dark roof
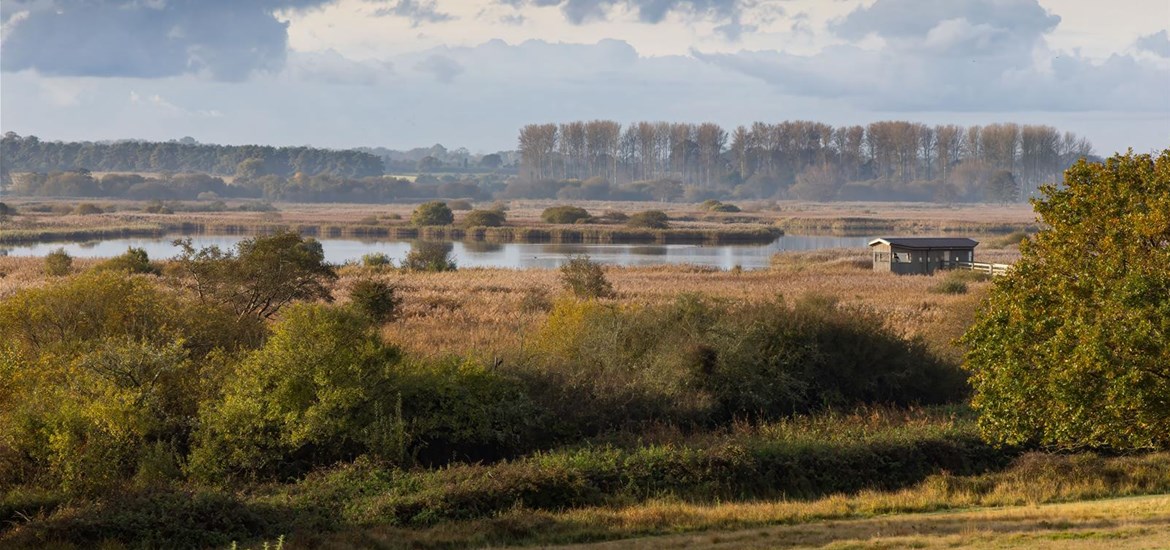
[925,242]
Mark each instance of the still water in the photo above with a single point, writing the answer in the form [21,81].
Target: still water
[480,254]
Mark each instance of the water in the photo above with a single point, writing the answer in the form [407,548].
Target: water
[480,254]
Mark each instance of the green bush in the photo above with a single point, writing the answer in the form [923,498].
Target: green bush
[950,286]
[484,218]
[432,213]
[585,278]
[712,205]
[429,256]
[375,299]
[377,260]
[58,263]
[564,215]
[134,260]
[649,219]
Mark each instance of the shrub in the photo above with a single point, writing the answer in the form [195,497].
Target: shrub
[649,219]
[58,263]
[614,216]
[564,215]
[157,207]
[713,205]
[429,256]
[134,260]
[459,204]
[375,299]
[432,213]
[585,278]
[484,218]
[86,209]
[6,211]
[377,260]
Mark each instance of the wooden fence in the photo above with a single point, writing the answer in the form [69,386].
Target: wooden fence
[990,269]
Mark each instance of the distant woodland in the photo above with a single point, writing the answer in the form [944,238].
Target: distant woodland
[891,160]
[594,160]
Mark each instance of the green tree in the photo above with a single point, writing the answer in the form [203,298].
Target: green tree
[432,213]
[375,299]
[585,278]
[58,263]
[1072,347]
[649,219]
[484,218]
[134,260]
[429,256]
[261,276]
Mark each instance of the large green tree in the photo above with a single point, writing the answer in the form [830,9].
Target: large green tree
[1072,348]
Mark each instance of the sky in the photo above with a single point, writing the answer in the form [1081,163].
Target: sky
[410,73]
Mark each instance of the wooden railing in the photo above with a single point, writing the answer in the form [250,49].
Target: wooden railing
[990,269]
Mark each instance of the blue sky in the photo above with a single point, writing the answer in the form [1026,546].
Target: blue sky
[405,73]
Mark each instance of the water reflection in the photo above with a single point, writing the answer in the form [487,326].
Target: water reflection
[480,254]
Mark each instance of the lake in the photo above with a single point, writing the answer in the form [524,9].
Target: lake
[481,254]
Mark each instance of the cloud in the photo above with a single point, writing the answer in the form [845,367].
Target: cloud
[1157,43]
[649,11]
[219,39]
[417,11]
[914,20]
[443,68]
[159,102]
[331,67]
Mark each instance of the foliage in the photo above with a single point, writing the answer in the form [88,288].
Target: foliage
[484,218]
[6,211]
[564,214]
[261,276]
[1072,348]
[432,213]
[58,263]
[585,278]
[429,256]
[375,299]
[134,260]
[377,260]
[712,205]
[305,398]
[459,204]
[86,209]
[649,219]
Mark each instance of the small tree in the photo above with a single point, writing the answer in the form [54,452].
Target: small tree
[650,219]
[484,218]
[1072,347]
[585,278]
[134,260]
[58,263]
[564,214]
[261,276]
[374,299]
[429,256]
[432,213]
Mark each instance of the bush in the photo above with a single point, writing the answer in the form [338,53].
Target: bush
[86,209]
[6,211]
[377,260]
[585,278]
[614,216]
[459,204]
[564,215]
[58,263]
[950,286]
[134,260]
[649,219]
[429,256]
[375,299]
[713,205]
[432,213]
[157,207]
[484,218]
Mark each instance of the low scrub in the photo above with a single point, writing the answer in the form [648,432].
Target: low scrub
[564,215]
[484,218]
[649,219]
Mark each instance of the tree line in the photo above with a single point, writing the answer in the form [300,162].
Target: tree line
[30,154]
[806,159]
